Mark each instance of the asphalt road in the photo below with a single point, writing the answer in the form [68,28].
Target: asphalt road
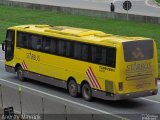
[139,7]
[132,109]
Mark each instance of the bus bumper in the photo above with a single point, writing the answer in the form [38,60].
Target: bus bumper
[111,96]
[9,69]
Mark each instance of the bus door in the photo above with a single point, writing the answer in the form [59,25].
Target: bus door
[9,45]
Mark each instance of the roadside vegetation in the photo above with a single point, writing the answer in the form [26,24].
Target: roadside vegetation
[158,1]
[11,16]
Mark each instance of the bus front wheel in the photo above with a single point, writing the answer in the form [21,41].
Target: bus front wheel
[19,72]
[86,92]
[73,88]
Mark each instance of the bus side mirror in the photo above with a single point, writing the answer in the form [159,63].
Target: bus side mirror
[3,46]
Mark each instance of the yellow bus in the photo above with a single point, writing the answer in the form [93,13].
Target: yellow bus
[83,61]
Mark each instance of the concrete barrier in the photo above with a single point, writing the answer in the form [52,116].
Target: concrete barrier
[46,108]
[86,12]
[105,117]
[54,110]
[10,97]
[31,104]
[74,113]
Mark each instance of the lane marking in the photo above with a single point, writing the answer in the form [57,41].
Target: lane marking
[150,100]
[66,100]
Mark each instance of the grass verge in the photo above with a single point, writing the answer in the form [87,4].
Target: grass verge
[11,16]
[158,1]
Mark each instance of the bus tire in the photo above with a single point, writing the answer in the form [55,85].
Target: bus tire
[73,88]
[20,74]
[86,92]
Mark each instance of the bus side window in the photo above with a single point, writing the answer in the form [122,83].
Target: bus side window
[77,50]
[85,52]
[69,49]
[47,44]
[98,55]
[111,57]
[22,40]
[61,47]
[36,42]
[64,48]
[53,46]
[81,51]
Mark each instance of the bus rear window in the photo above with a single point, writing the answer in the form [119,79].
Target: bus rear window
[138,50]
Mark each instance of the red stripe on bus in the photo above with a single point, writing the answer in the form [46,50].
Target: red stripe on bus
[95,78]
[25,65]
[92,77]
[91,82]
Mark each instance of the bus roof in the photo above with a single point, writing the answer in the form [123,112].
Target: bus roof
[79,34]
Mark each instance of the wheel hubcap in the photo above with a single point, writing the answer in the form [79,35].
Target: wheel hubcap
[19,74]
[86,92]
[72,88]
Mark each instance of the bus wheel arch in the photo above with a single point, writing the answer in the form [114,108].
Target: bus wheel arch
[19,72]
[16,67]
[72,87]
[86,90]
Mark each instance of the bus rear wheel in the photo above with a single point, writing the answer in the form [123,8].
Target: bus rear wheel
[20,74]
[86,92]
[73,88]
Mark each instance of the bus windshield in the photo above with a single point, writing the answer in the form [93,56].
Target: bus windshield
[138,50]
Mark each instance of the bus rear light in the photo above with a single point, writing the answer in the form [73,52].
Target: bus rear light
[120,86]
